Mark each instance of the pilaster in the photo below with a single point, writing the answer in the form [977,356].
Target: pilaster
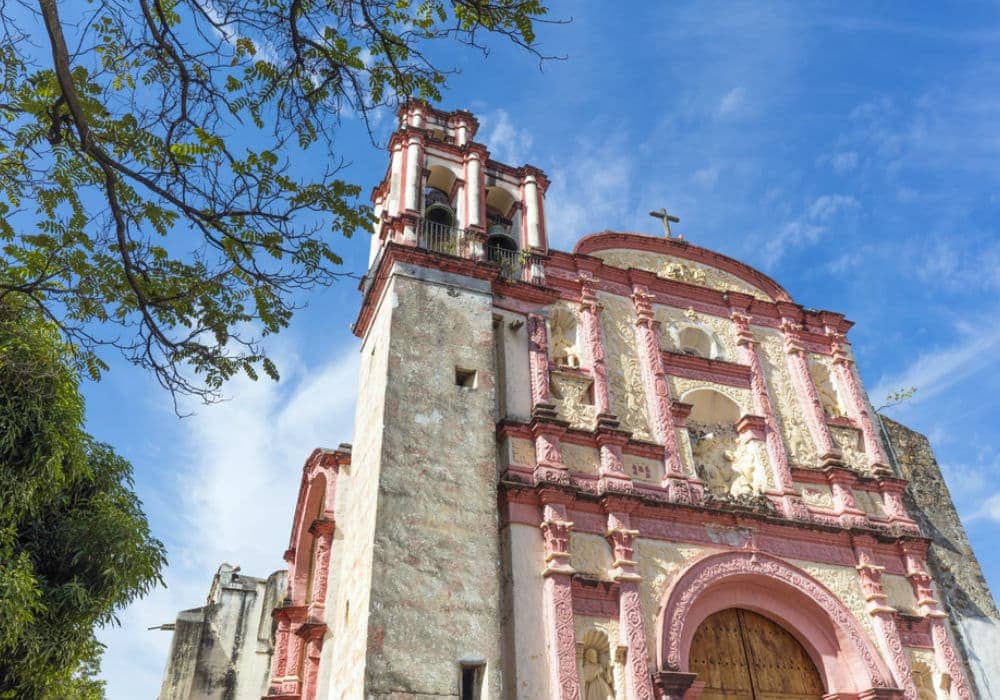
[883,616]
[558,597]
[658,395]
[798,367]
[791,502]
[857,404]
[842,482]
[633,634]
[949,663]
[590,321]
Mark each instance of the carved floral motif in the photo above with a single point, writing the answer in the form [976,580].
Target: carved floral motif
[680,270]
[711,571]
[851,446]
[573,398]
[628,399]
[788,415]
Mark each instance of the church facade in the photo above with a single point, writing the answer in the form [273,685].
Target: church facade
[634,470]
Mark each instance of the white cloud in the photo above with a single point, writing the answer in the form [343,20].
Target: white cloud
[234,492]
[706,177]
[936,371]
[591,193]
[506,142]
[732,102]
[841,162]
[810,226]
[827,206]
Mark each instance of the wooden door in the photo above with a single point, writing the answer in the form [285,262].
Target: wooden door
[741,655]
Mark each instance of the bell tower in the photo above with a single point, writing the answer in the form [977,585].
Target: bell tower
[414,601]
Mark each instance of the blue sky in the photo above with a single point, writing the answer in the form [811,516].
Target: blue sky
[854,155]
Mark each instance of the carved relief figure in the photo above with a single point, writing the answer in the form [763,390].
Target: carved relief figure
[749,476]
[825,388]
[564,342]
[714,450]
[596,677]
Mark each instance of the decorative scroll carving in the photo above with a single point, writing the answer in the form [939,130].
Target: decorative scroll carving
[579,458]
[572,395]
[948,660]
[632,627]
[817,496]
[714,569]
[559,599]
[680,270]
[848,441]
[846,585]
[538,359]
[628,399]
[788,415]
[858,406]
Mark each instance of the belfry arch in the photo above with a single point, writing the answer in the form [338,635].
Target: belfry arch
[834,640]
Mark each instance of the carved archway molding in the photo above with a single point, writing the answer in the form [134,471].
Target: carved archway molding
[834,639]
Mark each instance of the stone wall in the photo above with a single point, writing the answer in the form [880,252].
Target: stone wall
[222,650]
[962,588]
[435,579]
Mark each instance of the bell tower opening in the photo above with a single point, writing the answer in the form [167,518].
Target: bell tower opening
[741,655]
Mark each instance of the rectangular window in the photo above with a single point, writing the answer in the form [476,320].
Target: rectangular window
[472,681]
[465,378]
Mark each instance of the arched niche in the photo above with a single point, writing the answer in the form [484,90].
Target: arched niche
[302,569]
[438,190]
[729,464]
[564,337]
[829,633]
[694,341]
[826,389]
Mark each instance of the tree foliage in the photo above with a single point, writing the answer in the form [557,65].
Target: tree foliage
[75,546]
[147,190]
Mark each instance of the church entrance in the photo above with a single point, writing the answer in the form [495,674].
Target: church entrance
[741,655]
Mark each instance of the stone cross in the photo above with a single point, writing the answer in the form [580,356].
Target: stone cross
[666,218]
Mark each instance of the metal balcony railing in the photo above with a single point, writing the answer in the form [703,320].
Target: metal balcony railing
[514,265]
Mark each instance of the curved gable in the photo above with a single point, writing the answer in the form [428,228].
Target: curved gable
[681,261]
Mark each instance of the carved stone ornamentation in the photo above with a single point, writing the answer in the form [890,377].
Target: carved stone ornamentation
[680,270]
[628,399]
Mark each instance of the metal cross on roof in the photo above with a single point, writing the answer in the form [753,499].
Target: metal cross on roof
[666,219]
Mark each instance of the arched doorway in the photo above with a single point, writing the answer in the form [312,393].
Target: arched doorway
[741,655]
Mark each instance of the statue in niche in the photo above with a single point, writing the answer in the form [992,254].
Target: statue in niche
[564,343]
[749,478]
[826,391]
[730,468]
[714,449]
[596,676]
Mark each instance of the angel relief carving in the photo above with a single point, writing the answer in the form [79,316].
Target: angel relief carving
[730,467]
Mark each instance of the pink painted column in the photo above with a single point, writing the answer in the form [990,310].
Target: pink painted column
[945,655]
[883,616]
[546,428]
[658,395]
[538,361]
[841,482]
[891,489]
[285,678]
[857,404]
[792,505]
[322,530]
[633,634]
[558,598]
[798,366]
[590,321]
[312,636]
